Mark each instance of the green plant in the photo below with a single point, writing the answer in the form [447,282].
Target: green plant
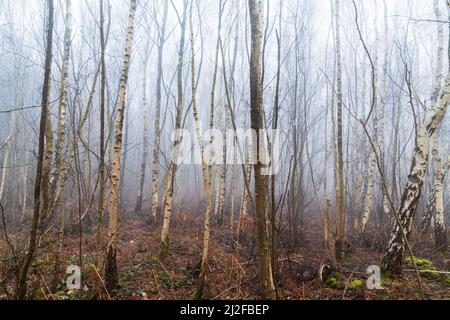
[333,282]
[355,284]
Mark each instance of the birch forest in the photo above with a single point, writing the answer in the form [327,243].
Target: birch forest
[224,149]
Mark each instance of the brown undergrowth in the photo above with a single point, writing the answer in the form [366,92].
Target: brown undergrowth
[232,267]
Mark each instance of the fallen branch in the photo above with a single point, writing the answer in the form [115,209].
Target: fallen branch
[426,271]
[347,283]
[234,286]
[156,282]
[101,280]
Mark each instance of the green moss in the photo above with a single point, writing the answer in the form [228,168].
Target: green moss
[446,281]
[79,295]
[426,267]
[422,264]
[333,282]
[165,278]
[73,259]
[164,248]
[38,294]
[355,284]
[37,263]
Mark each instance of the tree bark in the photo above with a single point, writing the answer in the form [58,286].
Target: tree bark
[168,207]
[111,273]
[101,195]
[430,209]
[140,196]
[60,171]
[340,232]
[267,283]
[157,142]
[438,191]
[393,257]
[23,273]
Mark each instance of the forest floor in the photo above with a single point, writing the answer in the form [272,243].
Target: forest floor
[232,268]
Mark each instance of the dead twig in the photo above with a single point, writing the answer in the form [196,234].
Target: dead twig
[46,287]
[346,284]
[101,281]
[234,286]
[426,271]
[156,282]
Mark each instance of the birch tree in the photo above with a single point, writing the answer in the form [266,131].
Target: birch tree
[393,256]
[111,273]
[101,195]
[5,160]
[157,141]
[340,219]
[256,105]
[368,205]
[140,196]
[60,172]
[430,209]
[206,165]
[168,207]
[438,190]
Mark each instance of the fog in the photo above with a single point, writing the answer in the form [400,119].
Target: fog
[397,41]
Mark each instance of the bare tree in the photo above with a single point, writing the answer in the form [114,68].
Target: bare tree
[157,142]
[168,207]
[111,273]
[22,279]
[393,256]
[60,172]
[101,195]
[267,283]
[340,215]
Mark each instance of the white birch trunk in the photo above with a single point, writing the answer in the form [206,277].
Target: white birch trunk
[111,273]
[393,257]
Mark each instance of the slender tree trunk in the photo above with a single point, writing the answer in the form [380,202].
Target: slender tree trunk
[23,273]
[438,191]
[223,175]
[139,200]
[245,200]
[206,182]
[7,147]
[368,205]
[101,195]
[429,212]
[383,100]
[47,169]
[267,283]
[340,232]
[393,257]
[207,168]
[168,207]
[276,107]
[217,181]
[60,176]
[157,141]
[430,209]
[25,178]
[233,84]
[111,273]
[327,220]
[123,168]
